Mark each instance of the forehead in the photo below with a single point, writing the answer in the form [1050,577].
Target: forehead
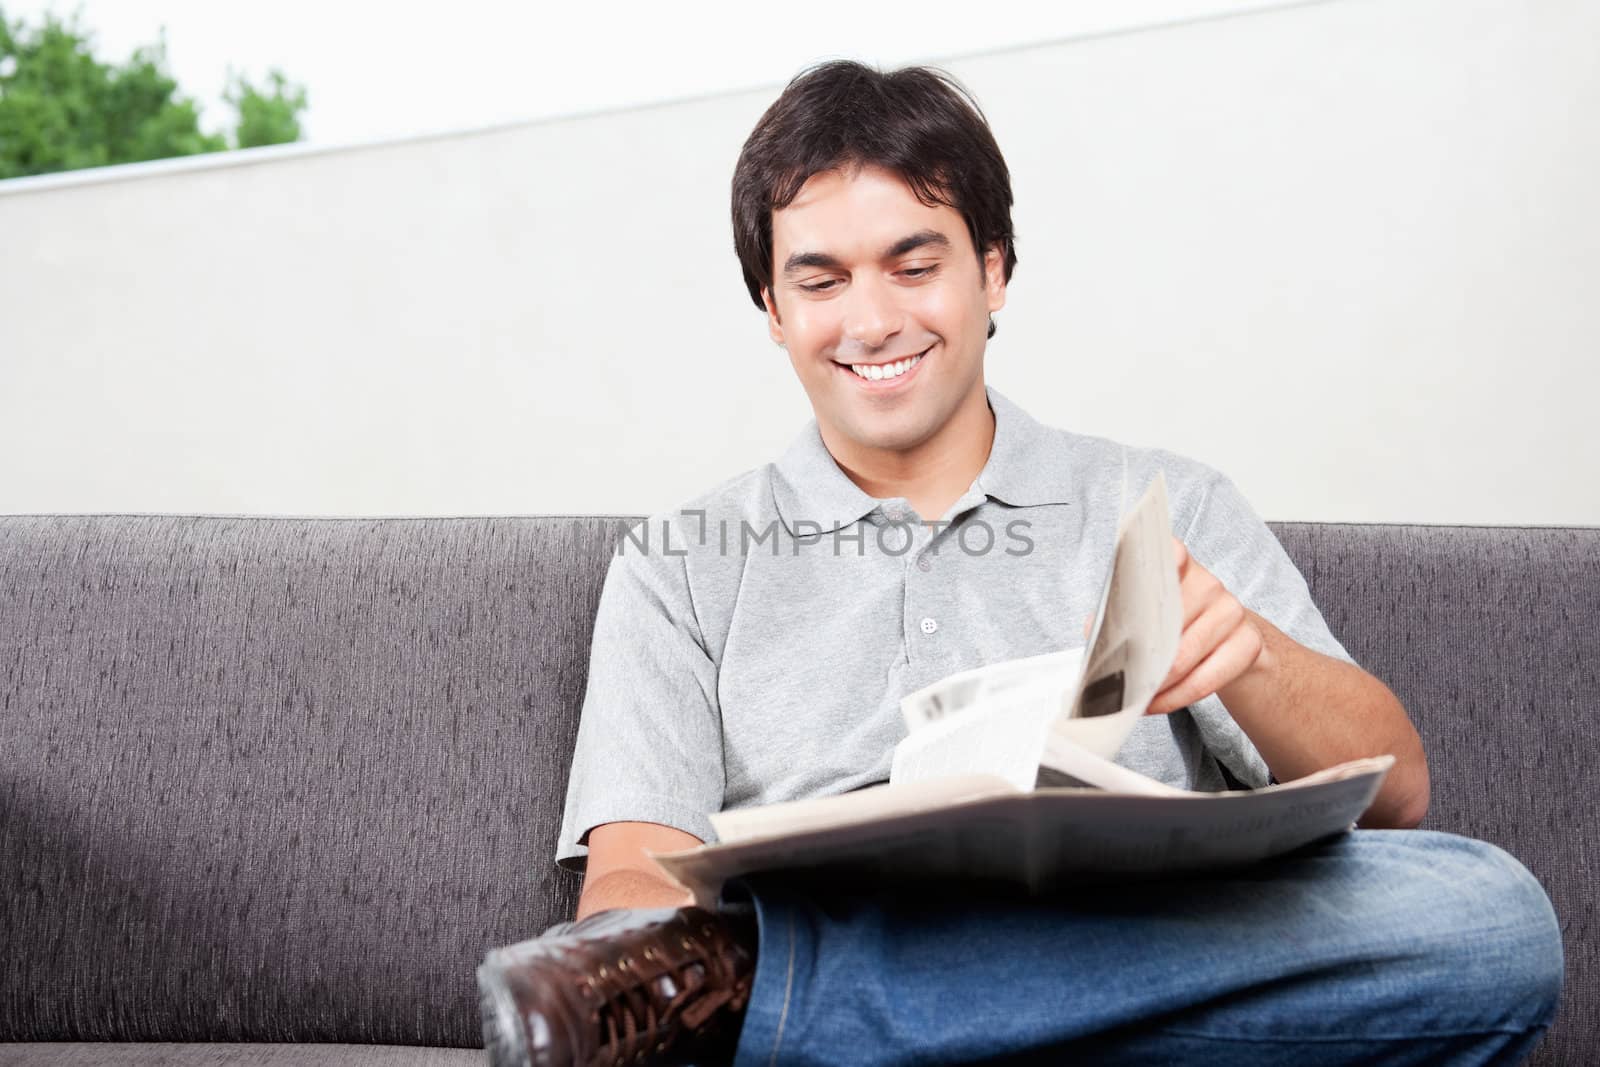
[859,211]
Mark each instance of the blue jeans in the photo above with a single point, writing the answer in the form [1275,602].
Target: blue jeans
[1380,946]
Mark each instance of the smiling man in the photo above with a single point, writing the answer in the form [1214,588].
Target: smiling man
[922,523]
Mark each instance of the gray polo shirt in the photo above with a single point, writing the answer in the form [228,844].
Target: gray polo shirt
[753,646]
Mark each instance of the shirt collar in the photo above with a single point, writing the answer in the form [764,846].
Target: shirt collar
[1027,465]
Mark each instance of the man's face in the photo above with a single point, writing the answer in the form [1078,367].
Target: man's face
[865,273]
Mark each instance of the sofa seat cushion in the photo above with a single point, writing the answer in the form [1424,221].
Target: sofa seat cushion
[238,1054]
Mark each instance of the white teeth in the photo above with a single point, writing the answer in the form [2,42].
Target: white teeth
[891,370]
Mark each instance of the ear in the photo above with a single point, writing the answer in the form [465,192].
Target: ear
[774,325]
[994,276]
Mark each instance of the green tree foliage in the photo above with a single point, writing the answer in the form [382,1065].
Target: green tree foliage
[266,117]
[61,108]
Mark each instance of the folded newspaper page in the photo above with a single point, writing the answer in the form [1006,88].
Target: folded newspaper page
[1007,771]
[1009,719]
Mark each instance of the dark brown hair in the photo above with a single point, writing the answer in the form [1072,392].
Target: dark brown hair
[917,122]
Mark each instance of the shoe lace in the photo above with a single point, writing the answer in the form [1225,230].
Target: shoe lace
[645,1005]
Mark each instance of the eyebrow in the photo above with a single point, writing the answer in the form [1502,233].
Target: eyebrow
[910,243]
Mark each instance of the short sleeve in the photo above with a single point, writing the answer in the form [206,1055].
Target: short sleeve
[1227,537]
[649,745]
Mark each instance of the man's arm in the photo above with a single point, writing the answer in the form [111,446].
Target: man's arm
[1305,711]
[647,763]
[1301,709]
[620,875]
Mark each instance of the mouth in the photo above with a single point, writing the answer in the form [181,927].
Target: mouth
[887,376]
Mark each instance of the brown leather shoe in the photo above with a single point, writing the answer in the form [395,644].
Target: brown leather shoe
[624,986]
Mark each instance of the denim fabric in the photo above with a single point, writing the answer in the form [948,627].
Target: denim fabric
[1386,946]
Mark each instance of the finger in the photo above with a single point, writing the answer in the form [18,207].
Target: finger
[1205,633]
[1198,591]
[1225,663]
[1164,707]
[1230,660]
[1180,554]
[1197,587]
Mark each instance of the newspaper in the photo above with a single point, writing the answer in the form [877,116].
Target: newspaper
[999,719]
[1007,771]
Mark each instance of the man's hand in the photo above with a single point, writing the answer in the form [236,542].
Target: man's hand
[1221,639]
[1303,710]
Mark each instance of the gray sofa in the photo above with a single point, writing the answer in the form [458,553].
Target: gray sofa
[270,787]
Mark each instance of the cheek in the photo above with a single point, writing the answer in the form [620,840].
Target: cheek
[810,326]
[948,309]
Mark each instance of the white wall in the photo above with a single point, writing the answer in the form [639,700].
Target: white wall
[1348,252]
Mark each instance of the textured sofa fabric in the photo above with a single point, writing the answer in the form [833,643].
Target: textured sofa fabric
[267,781]
[230,1054]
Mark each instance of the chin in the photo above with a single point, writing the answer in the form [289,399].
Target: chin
[894,431]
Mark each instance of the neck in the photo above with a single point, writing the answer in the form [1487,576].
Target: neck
[933,474]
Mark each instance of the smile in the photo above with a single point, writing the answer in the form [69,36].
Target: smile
[884,375]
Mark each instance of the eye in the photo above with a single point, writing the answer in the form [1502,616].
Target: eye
[919,272]
[821,287]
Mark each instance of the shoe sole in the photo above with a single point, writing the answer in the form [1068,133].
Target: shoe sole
[503,1039]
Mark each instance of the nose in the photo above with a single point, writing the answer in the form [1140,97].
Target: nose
[871,313]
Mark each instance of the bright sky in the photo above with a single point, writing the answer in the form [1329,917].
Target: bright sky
[376,70]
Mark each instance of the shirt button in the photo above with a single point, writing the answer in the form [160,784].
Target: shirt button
[924,564]
[928,626]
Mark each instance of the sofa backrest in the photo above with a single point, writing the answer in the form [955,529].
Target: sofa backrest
[282,779]
[1490,636]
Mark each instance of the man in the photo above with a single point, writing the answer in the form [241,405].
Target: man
[753,647]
